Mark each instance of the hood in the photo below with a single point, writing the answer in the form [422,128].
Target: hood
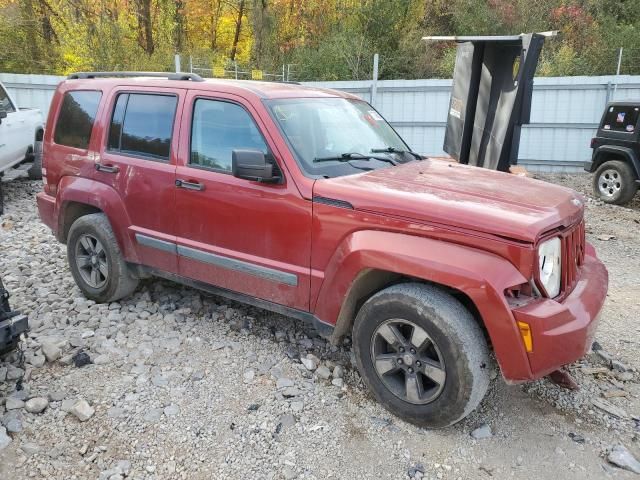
[447,193]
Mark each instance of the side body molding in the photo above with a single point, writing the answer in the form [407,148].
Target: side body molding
[482,276]
[97,194]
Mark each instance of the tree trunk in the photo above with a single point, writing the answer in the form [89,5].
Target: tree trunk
[236,37]
[260,29]
[215,20]
[145,26]
[48,33]
[179,26]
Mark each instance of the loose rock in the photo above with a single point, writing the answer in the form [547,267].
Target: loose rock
[483,431]
[284,383]
[81,359]
[5,439]
[51,350]
[323,372]
[14,403]
[30,448]
[82,410]
[310,362]
[36,405]
[621,457]
[14,373]
[171,410]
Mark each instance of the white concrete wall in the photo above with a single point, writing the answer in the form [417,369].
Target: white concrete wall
[564,113]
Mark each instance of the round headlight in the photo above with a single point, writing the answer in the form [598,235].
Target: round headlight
[549,262]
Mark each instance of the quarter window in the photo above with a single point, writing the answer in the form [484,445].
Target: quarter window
[621,118]
[141,124]
[217,129]
[76,117]
[5,102]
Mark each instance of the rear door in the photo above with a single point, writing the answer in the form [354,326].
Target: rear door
[249,237]
[139,161]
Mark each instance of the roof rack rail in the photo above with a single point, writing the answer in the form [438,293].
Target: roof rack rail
[194,77]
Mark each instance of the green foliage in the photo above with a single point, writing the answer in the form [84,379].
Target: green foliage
[321,39]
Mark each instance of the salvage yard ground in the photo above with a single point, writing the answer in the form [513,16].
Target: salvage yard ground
[191,386]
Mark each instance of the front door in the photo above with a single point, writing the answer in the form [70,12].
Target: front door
[138,161]
[237,234]
[11,133]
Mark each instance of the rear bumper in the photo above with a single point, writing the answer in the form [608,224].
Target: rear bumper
[46,210]
[563,331]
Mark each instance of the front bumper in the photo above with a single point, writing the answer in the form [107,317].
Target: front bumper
[563,331]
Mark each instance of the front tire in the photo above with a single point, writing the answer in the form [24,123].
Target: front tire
[422,354]
[615,182]
[96,262]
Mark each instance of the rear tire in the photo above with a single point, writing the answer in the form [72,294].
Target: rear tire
[438,360]
[35,172]
[96,262]
[615,182]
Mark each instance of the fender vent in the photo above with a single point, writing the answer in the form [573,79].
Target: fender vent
[333,202]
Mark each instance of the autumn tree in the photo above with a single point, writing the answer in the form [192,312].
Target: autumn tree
[320,39]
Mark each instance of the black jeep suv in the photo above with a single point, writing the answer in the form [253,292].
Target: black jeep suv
[616,153]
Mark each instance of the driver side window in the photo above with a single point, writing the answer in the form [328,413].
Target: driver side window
[5,103]
[218,128]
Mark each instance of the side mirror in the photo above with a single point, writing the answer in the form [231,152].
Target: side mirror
[3,115]
[253,165]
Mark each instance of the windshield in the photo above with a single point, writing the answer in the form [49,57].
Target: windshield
[337,136]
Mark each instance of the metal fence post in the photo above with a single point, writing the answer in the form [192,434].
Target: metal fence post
[374,82]
[607,98]
[615,87]
[177,60]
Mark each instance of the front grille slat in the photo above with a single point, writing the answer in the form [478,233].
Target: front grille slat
[573,246]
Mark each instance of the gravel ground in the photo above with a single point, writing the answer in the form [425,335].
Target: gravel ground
[191,386]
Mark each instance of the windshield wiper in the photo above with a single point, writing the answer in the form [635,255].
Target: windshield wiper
[396,150]
[346,157]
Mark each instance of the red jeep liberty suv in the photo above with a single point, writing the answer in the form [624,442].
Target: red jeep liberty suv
[306,202]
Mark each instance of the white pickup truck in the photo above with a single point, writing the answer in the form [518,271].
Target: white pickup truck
[21,131]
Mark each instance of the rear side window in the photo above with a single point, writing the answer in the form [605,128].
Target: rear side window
[621,118]
[217,129]
[141,125]
[76,117]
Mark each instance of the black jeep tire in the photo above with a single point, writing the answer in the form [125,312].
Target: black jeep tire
[455,344]
[35,172]
[615,182]
[96,262]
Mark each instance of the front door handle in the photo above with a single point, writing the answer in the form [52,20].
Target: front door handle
[107,168]
[189,185]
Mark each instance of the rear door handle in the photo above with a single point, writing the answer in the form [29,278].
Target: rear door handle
[189,185]
[107,168]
